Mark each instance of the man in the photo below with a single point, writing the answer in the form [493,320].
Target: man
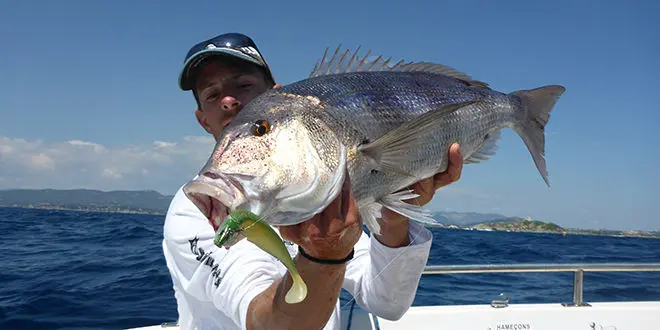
[244,287]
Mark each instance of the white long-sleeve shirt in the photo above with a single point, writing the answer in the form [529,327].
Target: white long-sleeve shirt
[214,286]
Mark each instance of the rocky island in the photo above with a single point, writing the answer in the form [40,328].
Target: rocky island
[498,222]
[525,225]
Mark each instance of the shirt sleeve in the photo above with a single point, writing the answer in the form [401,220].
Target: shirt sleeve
[227,278]
[384,280]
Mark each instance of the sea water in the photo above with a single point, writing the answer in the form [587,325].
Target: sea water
[88,270]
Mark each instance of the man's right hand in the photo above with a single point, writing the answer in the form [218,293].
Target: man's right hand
[333,233]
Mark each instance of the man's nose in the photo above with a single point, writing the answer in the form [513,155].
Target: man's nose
[230,104]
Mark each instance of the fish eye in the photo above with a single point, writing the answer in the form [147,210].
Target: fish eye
[260,128]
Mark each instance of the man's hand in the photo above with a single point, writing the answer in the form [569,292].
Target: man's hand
[394,226]
[332,233]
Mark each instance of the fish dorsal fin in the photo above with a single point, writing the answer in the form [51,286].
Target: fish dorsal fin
[344,61]
[441,69]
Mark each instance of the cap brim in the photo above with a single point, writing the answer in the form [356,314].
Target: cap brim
[184,77]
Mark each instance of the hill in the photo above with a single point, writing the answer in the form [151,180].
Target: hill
[466,219]
[147,201]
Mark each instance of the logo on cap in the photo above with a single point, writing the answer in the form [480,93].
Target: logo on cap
[252,52]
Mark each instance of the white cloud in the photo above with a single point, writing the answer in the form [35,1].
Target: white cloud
[159,165]
[199,139]
[6,149]
[41,161]
[163,144]
[111,173]
[83,144]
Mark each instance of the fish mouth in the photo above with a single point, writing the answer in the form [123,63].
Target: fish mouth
[215,196]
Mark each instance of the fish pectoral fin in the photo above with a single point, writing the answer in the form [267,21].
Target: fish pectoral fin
[395,202]
[488,149]
[391,150]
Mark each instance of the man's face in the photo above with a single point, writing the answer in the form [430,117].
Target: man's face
[223,89]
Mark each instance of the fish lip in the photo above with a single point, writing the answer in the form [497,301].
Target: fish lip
[215,196]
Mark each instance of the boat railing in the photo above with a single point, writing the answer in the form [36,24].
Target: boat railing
[578,270]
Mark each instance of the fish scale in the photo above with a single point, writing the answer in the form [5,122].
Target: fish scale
[388,128]
[372,113]
[350,96]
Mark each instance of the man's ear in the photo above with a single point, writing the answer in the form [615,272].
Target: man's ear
[201,119]
[277,86]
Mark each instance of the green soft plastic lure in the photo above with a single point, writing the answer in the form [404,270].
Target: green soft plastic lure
[245,224]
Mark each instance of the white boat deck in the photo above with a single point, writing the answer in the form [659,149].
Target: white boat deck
[599,316]
[500,315]
[611,316]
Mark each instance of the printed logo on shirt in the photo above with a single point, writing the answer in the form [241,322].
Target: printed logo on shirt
[206,259]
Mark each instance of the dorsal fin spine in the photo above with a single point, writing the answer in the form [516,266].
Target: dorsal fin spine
[325,66]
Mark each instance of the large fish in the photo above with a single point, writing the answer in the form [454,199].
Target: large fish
[285,154]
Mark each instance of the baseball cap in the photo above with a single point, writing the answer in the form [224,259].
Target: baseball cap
[232,44]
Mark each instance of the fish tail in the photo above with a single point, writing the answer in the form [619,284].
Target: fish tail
[298,290]
[537,105]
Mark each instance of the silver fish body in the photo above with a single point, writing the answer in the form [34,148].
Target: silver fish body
[285,154]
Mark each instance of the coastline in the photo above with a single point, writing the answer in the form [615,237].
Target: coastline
[86,209]
[505,226]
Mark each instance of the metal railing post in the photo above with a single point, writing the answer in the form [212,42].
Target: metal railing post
[578,289]
[578,284]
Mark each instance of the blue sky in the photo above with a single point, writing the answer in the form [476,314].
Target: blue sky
[88,95]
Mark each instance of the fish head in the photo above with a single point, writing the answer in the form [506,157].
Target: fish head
[277,159]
